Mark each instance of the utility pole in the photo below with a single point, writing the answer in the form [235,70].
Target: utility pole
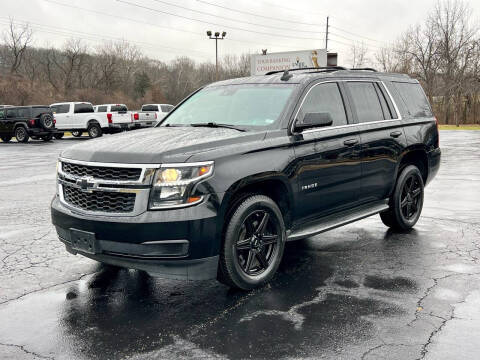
[216,37]
[326,35]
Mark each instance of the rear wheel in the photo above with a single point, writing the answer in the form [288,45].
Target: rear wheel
[58,136]
[94,131]
[21,134]
[407,201]
[253,244]
[6,138]
[77,133]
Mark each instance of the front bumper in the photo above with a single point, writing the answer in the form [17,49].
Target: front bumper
[144,124]
[178,243]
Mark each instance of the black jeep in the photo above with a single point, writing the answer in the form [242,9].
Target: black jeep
[244,165]
[24,122]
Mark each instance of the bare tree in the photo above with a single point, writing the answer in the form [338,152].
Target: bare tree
[17,38]
[358,55]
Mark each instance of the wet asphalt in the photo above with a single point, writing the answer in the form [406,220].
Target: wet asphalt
[358,292]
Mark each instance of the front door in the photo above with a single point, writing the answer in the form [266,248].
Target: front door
[327,159]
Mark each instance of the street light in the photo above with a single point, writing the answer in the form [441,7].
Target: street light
[216,37]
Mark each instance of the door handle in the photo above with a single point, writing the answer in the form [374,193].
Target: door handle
[350,142]
[395,134]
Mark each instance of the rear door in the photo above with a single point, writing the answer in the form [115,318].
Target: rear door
[328,168]
[62,115]
[381,135]
[80,113]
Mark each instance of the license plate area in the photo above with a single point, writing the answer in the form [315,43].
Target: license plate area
[83,241]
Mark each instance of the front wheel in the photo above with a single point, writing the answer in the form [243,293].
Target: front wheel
[94,131]
[407,201]
[21,134]
[253,244]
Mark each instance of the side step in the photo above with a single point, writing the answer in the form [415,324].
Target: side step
[335,220]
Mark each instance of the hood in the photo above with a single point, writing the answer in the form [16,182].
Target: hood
[157,145]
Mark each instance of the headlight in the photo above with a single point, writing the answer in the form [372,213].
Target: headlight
[173,184]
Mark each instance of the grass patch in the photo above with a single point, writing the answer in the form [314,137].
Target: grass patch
[461,127]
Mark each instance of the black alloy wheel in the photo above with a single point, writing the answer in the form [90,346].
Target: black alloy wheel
[406,202]
[21,134]
[253,243]
[257,243]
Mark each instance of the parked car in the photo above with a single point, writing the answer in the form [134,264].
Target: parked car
[117,115]
[244,165]
[79,117]
[150,114]
[23,122]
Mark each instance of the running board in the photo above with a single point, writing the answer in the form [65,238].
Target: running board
[333,221]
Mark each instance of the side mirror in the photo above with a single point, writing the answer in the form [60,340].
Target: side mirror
[313,120]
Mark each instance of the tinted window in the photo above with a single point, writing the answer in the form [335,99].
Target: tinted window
[83,108]
[12,113]
[36,112]
[366,102]
[166,108]
[23,112]
[414,98]
[60,109]
[118,108]
[325,98]
[102,109]
[2,112]
[149,108]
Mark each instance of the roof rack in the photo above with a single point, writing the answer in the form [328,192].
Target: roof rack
[364,69]
[332,68]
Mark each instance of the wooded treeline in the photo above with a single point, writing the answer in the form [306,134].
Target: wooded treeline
[443,53]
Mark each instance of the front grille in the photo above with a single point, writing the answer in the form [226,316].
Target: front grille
[99,201]
[101,172]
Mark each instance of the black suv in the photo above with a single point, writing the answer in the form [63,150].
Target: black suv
[244,165]
[24,122]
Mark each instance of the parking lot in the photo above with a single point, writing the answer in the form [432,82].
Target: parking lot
[358,292]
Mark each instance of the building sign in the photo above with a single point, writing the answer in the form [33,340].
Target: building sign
[261,64]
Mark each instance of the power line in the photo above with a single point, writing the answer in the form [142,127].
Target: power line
[214,24]
[80,34]
[356,35]
[257,15]
[152,24]
[356,41]
[236,20]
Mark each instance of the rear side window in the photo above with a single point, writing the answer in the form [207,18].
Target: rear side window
[83,108]
[60,108]
[325,98]
[36,112]
[23,112]
[366,101]
[2,113]
[11,114]
[150,108]
[102,109]
[118,108]
[414,99]
[166,108]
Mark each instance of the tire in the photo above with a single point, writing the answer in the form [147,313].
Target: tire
[47,137]
[6,138]
[46,121]
[253,243]
[21,134]
[58,136]
[94,131]
[77,133]
[407,200]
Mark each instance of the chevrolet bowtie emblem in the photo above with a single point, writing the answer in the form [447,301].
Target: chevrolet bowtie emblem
[84,184]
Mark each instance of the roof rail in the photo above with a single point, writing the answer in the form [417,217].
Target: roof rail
[308,68]
[364,69]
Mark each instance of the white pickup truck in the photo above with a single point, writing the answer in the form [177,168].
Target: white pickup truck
[78,117]
[117,115]
[150,114]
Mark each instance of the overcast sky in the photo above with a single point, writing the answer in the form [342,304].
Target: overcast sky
[164,29]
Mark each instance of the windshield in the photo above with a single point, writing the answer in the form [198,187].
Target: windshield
[249,105]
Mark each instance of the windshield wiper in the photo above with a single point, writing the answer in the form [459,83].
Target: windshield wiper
[216,125]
